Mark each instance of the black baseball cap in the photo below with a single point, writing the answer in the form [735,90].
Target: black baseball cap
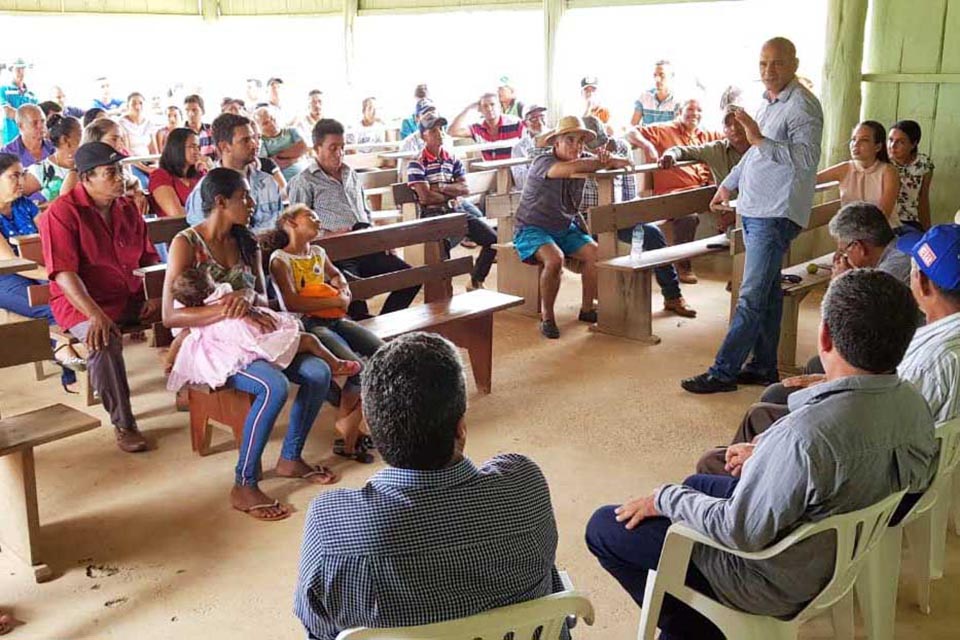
[95,154]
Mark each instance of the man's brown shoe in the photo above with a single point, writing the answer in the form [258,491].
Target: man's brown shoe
[130,440]
[687,277]
[680,307]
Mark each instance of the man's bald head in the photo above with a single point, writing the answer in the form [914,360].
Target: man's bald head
[27,113]
[783,46]
[33,127]
[778,64]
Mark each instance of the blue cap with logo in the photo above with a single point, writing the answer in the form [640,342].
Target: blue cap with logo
[937,254]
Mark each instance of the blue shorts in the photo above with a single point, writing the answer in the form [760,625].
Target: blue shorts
[528,239]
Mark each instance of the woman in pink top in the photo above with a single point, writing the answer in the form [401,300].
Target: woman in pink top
[868,176]
[177,175]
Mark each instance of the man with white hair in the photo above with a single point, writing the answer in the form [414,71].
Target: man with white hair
[31,146]
[531,144]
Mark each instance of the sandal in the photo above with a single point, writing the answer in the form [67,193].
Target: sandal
[252,511]
[359,453]
[317,470]
[364,441]
[74,362]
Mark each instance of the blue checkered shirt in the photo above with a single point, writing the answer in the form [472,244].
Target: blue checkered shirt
[418,547]
[624,187]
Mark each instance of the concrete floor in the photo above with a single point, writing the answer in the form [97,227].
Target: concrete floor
[604,417]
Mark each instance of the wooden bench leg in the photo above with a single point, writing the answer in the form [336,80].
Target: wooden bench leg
[38,371]
[624,305]
[20,524]
[476,336]
[87,390]
[787,349]
[519,279]
[199,422]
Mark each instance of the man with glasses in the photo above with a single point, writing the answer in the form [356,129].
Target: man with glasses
[534,123]
[93,238]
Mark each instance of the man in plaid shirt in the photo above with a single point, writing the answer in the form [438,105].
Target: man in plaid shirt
[433,536]
[624,189]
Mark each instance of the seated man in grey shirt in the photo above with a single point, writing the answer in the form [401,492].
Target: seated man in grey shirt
[932,361]
[847,443]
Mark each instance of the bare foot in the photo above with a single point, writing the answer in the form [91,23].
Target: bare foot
[7,623]
[317,474]
[346,368]
[257,504]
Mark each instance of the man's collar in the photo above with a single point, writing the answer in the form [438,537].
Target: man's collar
[784,94]
[499,123]
[868,383]
[456,474]
[429,157]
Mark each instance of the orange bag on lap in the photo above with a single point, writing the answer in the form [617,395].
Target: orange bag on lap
[323,290]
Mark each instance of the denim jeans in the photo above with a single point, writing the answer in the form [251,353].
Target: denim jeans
[345,339]
[666,275]
[13,298]
[628,555]
[756,321]
[269,386]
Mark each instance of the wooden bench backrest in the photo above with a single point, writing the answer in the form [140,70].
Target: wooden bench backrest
[29,247]
[481,182]
[377,178]
[429,232]
[606,220]
[363,160]
[163,230]
[24,342]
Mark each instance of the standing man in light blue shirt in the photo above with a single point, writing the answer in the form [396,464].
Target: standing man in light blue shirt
[775,180]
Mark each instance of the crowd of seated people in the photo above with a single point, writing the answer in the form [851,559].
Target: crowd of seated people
[255,192]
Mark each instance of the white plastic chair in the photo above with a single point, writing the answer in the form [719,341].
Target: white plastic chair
[522,620]
[857,534]
[925,528]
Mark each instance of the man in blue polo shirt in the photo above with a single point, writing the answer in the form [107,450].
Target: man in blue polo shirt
[440,183]
[12,97]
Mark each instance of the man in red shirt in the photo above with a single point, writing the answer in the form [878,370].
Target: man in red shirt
[93,238]
[494,126]
[653,140]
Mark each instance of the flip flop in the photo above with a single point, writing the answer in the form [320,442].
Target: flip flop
[250,511]
[359,453]
[74,363]
[364,441]
[319,470]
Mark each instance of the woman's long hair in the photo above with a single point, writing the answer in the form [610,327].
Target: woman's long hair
[173,160]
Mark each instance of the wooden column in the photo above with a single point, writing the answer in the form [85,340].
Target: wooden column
[846,20]
[350,9]
[553,11]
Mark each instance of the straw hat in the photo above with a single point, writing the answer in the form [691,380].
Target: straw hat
[570,124]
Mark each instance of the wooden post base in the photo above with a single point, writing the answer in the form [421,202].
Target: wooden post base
[519,279]
[623,307]
[20,524]
[476,336]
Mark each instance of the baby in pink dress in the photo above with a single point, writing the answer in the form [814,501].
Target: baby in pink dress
[212,353]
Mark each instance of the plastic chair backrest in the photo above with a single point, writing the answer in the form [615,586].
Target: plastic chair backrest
[540,619]
[857,534]
[948,433]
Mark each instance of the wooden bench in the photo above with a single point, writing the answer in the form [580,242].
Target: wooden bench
[795,263]
[480,184]
[465,319]
[16,265]
[29,342]
[625,288]
[376,187]
[163,230]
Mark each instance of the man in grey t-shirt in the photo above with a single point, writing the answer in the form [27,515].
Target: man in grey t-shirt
[547,228]
[847,443]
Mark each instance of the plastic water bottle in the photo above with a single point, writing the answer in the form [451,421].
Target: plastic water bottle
[636,243]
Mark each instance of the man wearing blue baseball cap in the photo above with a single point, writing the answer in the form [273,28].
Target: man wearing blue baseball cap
[932,361]
[12,97]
